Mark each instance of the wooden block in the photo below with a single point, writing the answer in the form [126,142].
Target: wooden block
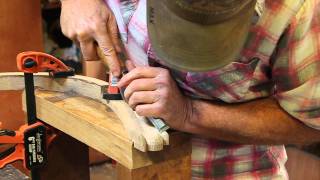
[86,120]
[177,169]
[172,163]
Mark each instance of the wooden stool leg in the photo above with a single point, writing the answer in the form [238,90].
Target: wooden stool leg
[68,159]
[177,169]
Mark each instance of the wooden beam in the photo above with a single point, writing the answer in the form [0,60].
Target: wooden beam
[86,120]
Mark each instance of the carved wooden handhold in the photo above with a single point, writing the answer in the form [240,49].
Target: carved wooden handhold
[144,136]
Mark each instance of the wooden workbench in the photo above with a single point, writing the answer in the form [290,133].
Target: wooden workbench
[86,121]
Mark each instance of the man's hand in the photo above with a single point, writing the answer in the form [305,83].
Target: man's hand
[153,93]
[90,22]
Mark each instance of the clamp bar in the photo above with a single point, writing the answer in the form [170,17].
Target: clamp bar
[30,98]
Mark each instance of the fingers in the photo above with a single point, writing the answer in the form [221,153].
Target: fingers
[89,51]
[149,110]
[143,97]
[138,73]
[109,52]
[109,42]
[139,85]
[113,32]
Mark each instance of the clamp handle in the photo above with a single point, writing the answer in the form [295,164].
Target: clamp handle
[12,154]
[33,62]
[30,145]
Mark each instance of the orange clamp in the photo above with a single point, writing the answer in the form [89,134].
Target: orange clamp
[33,62]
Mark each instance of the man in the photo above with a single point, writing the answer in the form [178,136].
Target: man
[242,83]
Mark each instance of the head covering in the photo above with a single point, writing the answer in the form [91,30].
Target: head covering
[198,35]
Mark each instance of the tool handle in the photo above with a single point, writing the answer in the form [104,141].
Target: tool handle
[11,155]
[159,124]
[10,137]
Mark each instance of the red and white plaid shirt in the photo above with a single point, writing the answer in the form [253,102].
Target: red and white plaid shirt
[281,58]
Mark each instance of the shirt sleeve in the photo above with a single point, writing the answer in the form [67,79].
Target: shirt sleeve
[296,69]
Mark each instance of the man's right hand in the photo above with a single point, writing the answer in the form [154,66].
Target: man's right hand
[91,22]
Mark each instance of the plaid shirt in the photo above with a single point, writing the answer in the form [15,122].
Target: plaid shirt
[281,58]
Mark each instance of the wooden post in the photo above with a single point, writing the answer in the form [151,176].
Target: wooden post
[177,169]
[174,162]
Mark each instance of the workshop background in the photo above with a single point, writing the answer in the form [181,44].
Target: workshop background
[34,25]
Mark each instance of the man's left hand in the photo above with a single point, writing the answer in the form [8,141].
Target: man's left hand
[152,92]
